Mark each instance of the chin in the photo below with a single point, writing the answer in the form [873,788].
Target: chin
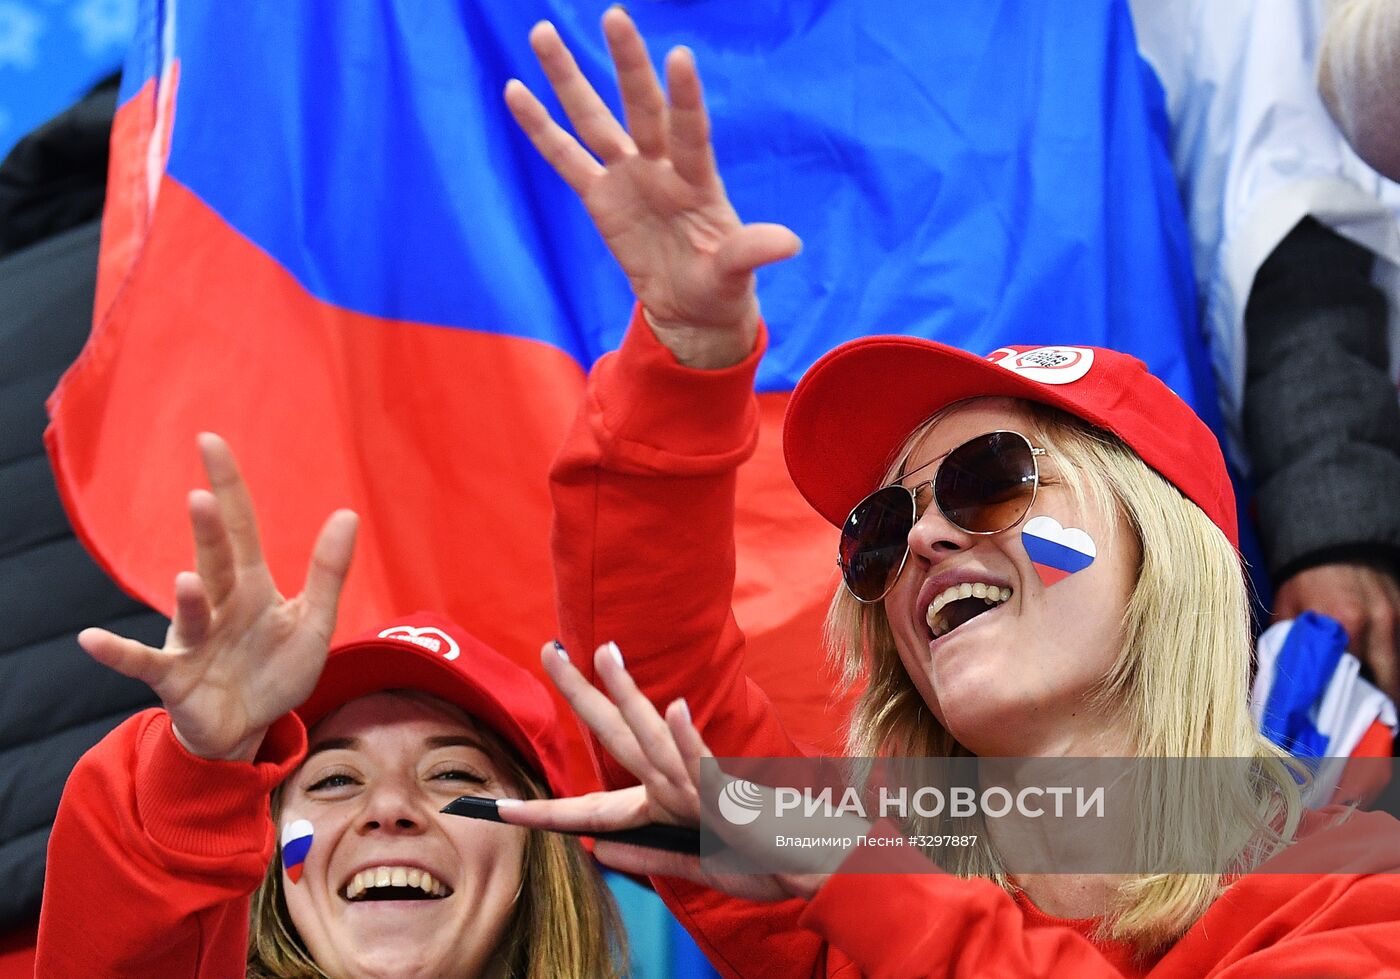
[981,718]
[383,963]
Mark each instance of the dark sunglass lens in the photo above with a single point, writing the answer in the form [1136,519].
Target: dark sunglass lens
[874,539]
[987,484]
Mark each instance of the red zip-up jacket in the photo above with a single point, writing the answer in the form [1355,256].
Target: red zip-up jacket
[644,556]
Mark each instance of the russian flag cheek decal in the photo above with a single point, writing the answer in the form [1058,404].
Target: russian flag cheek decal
[296,844]
[1057,552]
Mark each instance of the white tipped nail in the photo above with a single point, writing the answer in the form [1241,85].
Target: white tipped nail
[685,709]
[507,803]
[616,654]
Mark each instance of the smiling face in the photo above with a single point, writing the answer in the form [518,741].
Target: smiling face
[378,771]
[1016,678]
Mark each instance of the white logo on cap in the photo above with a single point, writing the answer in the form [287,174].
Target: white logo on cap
[427,637]
[1046,365]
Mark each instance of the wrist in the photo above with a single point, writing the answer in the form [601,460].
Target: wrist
[244,751]
[705,347]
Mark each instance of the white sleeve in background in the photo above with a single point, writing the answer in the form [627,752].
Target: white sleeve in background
[1358,75]
[1255,151]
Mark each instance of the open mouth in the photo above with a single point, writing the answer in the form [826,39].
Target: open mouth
[960,604]
[390,883]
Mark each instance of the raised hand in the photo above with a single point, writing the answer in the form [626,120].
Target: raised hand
[654,193]
[237,655]
[665,755]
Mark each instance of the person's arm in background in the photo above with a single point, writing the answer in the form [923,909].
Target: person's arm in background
[1323,429]
[1256,153]
[1358,74]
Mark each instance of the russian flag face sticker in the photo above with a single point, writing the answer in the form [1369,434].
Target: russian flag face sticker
[296,843]
[1055,551]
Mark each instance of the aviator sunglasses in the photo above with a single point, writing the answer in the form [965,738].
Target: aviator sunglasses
[984,486]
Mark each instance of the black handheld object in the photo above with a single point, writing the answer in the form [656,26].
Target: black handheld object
[658,836]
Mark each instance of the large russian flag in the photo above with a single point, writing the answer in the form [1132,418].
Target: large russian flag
[326,240]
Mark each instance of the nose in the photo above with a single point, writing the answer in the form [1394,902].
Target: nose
[394,806]
[934,537]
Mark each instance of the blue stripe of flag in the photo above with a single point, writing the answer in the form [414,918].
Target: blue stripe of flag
[1055,555]
[1305,665]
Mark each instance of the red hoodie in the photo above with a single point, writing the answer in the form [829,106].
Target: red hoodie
[643,550]
[154,854]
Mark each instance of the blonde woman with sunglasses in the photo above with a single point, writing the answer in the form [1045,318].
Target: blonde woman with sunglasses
[1039,560]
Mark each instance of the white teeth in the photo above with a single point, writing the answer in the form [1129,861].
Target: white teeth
[389,876]
[991,594]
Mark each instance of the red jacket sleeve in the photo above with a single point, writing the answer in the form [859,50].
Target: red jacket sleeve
[643,536]
[154,853]
[643,545]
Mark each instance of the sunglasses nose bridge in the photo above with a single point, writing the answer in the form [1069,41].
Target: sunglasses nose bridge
[933,535]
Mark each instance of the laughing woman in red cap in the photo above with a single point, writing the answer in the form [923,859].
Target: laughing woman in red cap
[172,823]
[1039,560]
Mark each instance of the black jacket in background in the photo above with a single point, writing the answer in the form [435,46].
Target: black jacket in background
[55,702]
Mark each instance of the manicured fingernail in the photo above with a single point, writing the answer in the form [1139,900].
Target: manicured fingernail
[616,654]
[507,803]
[559,648]
[685,709]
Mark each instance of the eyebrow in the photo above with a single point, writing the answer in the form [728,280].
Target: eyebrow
[331,744]
[456,741]
[437,741]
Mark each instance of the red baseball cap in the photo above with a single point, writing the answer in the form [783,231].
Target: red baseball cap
[429,653]
[855,406]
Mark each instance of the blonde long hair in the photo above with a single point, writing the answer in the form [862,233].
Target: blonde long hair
[565,922]
[1180,682]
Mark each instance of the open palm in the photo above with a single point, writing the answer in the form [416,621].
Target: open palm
[237,655]
[654,193]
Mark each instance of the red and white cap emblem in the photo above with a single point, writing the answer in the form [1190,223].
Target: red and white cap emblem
[427,637]
[1046,365]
